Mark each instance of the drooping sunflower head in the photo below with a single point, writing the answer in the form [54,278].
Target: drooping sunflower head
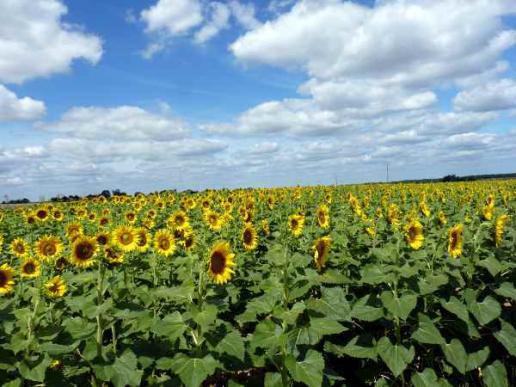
[143,239]
[414,234]
[455,240]
[249,237]
[164,243]
[55,287]
[323,216]
[48,248]
[84,251]
[442,218]
[19,248]
[321,249]
[425,210]
[296,224]
[126,238]
[30,268]
[221,263]
[6,279]
[499,228]
[487,212]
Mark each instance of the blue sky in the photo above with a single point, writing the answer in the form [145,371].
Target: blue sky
[194,94]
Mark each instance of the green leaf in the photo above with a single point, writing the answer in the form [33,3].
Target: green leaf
[428,378]
[397,357]
[427,333]
[374,275]
[34,370]
[193,371]
[171,326]
[432,283]
[495,375]
[485,311]
[492,265]
[232,344]
[79,328]
[457,308]
[309,371]
[399,307]
[506,290]
[58,349]
[456,355]
[476,359]
[273,379]
[507,336]
[361,347]
[206,317]
[125,371]
[266,335]
[364,312]
[332,304]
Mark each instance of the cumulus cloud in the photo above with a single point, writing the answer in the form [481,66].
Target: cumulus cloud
[35,42]
[123,123]
[13,108]
[196,19]
[495,95]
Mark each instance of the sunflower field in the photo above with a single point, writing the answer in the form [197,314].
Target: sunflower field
[398,285]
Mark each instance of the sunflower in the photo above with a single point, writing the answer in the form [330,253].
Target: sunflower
[423,207]
[48,248]
[321,249]
[266,227]
[442,218]
[221,263]
[455,240]
[499,227]
[126,238]
[213,220]
[143,239]
[249,237]
[55,287]
[61,263]
[84,250]
[1,243]
[189,240]
[393,215]
[164,243]
[6,279]
[114,256]
[103,221]
[296,223]
[19,248]
[487,212]
[41,214]
[130,217]
[30,268]
[414,234]
[58,215]
[371,231]
[179,219]
[103,238]
[323,216]
[30,218]
[73,230]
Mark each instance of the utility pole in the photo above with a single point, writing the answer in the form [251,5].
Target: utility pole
[387,172]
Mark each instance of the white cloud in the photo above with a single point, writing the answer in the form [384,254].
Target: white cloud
[13,108]
[175,17]
[412,43]
[124,123]
[35,42]
[219,20]
[495,95]
[195,19]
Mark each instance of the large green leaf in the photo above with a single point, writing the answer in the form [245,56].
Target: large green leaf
[427,333]
[399,307]
[456,355]
[507,336]
[193,371]
[485,311]
[34,370]
[428,378]
[362,311]
[495,375]
[477,359]
[232,344]
[507,289]
[397,357]
[362,347]
[172,326]
[457,308]
[308,371]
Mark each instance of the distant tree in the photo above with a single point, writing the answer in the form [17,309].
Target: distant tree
[448,178]
[105,193]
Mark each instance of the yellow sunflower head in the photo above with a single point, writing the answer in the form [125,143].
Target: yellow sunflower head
[113,255]
[455,240]
[249,237]
[164,243]
[321,249]
[84,251]
[323,216]
[414,234]
[103,238]
[126,238]
[499,228]
[6,279]
[189,240]
[143,239]
[221,263]
[41,214]
[19,248]
[48,248]
[296,224]
[30,268]
[55,287]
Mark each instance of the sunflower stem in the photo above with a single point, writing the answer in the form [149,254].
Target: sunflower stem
[100,281]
